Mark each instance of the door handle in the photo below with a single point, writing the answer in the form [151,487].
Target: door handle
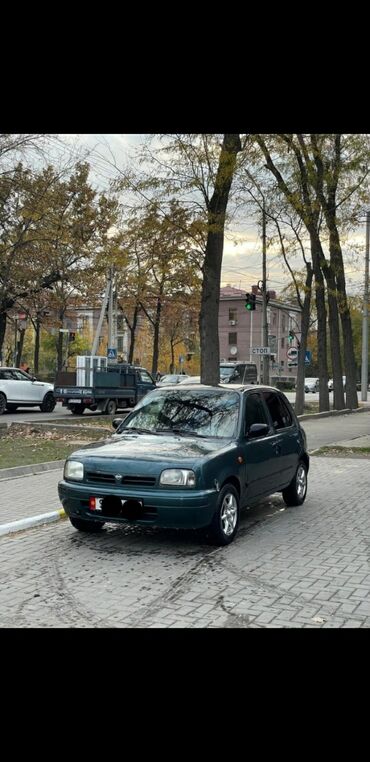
[277,449]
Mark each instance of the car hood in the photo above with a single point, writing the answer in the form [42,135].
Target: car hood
[151,447]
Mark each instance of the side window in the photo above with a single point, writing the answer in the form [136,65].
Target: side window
[144,376]
[18,376]
[288,418]
[6,375]
[281,417]
[254,411]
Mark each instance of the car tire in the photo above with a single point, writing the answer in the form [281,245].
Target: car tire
[225,521]
[111,407]
[77,409]
[83,525]
[296,493]
[2,403]
[11,408]
[48,403]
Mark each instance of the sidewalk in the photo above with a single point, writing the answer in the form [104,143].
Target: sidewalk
[29,495]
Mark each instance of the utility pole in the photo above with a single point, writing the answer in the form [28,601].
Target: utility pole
[266,358]
[365,319]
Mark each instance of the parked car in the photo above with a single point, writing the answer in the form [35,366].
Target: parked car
[331,384]
[172,378]
[238,373]
[19,389]
[311,384]
[192,458]
[191,380]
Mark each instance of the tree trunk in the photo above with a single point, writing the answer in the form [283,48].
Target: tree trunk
[157,323]
[208,318]
[60,342]
[345,316]
[172,365]
[3,318]
[336,361]
[36,354]
[321,322]
[132,329]
[20,348]
[305,324]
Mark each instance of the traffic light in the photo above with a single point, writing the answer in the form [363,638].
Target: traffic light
[71,336]
[250,302]
[291,336]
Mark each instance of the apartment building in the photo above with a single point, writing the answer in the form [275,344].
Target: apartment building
[240,330]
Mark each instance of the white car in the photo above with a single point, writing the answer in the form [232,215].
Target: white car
[191,380]
[19,389]
[311,384]
[171,379]
[331,384]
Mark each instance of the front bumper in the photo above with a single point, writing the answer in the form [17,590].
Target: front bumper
[180,508]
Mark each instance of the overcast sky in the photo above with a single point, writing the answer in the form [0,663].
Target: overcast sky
[242,266]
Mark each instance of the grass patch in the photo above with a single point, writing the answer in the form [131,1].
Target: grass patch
[26,447]
[103,421]
[338,450]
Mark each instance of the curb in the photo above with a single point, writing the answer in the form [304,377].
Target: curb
[330,413]
[32,521]
[34,468]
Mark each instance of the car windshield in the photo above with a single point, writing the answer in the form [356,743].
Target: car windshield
[225,371]
[208,413]
[169,379]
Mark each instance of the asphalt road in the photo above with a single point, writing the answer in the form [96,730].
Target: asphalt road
[34,414]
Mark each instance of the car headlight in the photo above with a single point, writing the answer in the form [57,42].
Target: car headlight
[178,477]
[73,469]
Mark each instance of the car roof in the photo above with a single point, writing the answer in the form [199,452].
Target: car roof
[230,387]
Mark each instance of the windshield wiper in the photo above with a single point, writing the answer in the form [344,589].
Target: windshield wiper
[137,430]
[183,432]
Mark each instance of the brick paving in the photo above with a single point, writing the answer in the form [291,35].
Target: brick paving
[307,566]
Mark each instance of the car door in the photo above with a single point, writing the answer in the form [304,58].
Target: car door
[26,390]
[145,383]
[7,383]
[260,454]
[287,438]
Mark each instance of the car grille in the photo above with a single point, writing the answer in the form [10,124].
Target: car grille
[100,478]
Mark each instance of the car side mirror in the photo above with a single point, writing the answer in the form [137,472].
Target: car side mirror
[258,430]
[33,378]
[116,422]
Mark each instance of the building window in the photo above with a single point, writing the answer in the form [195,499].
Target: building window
[282,363]
[233,315]
[282,343]
[120,343]
[120,323]
[232,339]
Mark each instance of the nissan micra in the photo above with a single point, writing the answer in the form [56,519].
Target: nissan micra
[190,457]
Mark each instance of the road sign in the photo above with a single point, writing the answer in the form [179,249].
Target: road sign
[292,353]
[308,357]
[261,351]
[112,353]
[292,363]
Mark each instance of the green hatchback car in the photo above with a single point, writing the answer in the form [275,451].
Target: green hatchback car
[190,457]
